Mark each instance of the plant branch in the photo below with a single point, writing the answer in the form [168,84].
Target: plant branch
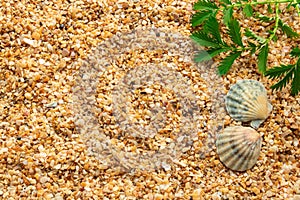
[297,7]
[257,3]
[210,36]
[276,23]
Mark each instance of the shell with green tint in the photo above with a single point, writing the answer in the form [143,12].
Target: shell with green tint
[238,147]
[247,101]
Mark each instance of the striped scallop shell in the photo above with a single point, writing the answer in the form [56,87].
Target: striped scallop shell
[247,101]
[238,147]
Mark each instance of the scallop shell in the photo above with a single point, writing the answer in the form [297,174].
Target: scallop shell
[247,101]
[238,147]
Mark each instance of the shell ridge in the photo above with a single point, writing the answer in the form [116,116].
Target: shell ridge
[249,110]
[234,94]
[247,101]
[238,147]
[251,156]
[237,157]
[232,146]
[245,154]
[228,139]
[262,107]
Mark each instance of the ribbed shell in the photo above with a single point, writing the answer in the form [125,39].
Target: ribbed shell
[247,101]
[238,147]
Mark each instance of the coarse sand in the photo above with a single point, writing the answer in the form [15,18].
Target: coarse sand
[50,143]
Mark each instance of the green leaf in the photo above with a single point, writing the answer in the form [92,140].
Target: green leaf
[228,2]
[248,11]
[295,89]
[283,82]
[252,35]
[235,32]
[270,10]
[205,5]
[212,27]
[202,56]
[278,71]
[199,17]
[262,58]
[253,48]
[275,38]
[295,52]
[214,52]
[208,55]
[295,4]
[287,30]
[288,72]
[203,39]
[227,15]
[264,18]
[226,64]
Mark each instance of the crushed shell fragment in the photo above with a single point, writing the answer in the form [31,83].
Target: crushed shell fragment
[247,101]
[238,147]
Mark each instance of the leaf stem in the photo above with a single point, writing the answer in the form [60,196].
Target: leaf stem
[276,23]
[297,7]
[257,3]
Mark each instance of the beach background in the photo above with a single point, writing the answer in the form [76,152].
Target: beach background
[43,45]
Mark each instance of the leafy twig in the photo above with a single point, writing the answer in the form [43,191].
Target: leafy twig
[209,36]
[287,73]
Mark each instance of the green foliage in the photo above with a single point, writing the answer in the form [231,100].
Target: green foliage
[205,40]
[264,18]
[287,30]
[295,52]
[207,55]
[262,58]
[200,17]
[208,34]
[212,28]
[234,32]
[253,36]
[248,11]
[227,15]
[287,73]
[225,65]
[205,5]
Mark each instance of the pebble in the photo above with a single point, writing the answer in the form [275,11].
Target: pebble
[44,179]
[296,142]
[28,96]
[51,105]
[49,47]
[36,36]
[149,90]
[30,42]
[65,52]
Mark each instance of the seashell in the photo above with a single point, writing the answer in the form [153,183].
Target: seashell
[238,147]
[247,101]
